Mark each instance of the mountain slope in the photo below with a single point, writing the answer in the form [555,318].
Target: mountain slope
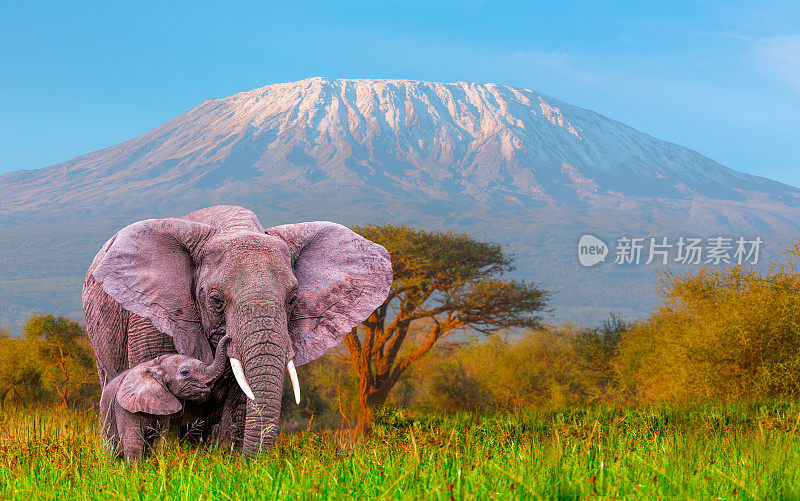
[500,162]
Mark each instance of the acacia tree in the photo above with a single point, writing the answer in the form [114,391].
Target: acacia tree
[443,283]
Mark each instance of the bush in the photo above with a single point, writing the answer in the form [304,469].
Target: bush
[51,363]
[20,373]
[596,351]
[547,367]
[721,333]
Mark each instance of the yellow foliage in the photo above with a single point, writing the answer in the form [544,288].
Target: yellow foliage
[721,332]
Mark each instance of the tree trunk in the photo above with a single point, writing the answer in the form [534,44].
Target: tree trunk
[364,389]
[374,386]
[370,397]
[373,389]
[365,417]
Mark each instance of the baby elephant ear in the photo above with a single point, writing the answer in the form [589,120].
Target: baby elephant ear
[141,390]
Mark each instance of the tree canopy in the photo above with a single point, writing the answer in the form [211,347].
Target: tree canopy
[444,282]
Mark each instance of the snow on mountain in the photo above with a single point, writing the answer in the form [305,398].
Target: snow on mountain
[489,143]
[503,163]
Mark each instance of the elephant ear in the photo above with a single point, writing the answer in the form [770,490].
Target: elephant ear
[141,390]
[342,278]
[148,268]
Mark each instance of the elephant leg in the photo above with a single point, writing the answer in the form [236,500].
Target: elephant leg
[133,448]
[110,441]
[134,443]
[145,342]
[135,430]
[230,430]
[108,426]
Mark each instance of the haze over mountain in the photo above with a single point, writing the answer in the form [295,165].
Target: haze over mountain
[499,162]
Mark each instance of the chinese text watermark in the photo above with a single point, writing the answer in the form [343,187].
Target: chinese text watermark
[666,250]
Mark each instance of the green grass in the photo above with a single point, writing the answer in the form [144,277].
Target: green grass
[732,451]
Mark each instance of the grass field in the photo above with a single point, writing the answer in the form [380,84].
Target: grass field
[731,451]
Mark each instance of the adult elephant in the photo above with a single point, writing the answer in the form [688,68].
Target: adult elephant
[285,295]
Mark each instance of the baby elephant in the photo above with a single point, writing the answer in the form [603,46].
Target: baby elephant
[142,403]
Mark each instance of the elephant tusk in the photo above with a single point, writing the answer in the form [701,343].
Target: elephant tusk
[295,382]
[238,373]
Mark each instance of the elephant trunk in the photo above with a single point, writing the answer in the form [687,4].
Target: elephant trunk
[217,367]
[265,377]
[263,348]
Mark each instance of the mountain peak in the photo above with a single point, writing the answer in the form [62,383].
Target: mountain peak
[486,143]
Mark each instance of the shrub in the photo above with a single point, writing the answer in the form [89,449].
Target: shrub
[51,363]
[21,374]
[721,333]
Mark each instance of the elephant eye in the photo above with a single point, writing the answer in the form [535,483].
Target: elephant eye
[291,300]
[185,371]
[216,302]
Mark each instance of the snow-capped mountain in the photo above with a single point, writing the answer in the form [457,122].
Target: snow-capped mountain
[500,162]
[487,143]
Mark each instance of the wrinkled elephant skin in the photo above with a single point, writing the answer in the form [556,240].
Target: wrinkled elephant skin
[283,294]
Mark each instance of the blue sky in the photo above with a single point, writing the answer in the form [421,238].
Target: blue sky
[720,77]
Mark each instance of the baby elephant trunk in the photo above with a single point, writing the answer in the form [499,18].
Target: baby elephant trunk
[217,367]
